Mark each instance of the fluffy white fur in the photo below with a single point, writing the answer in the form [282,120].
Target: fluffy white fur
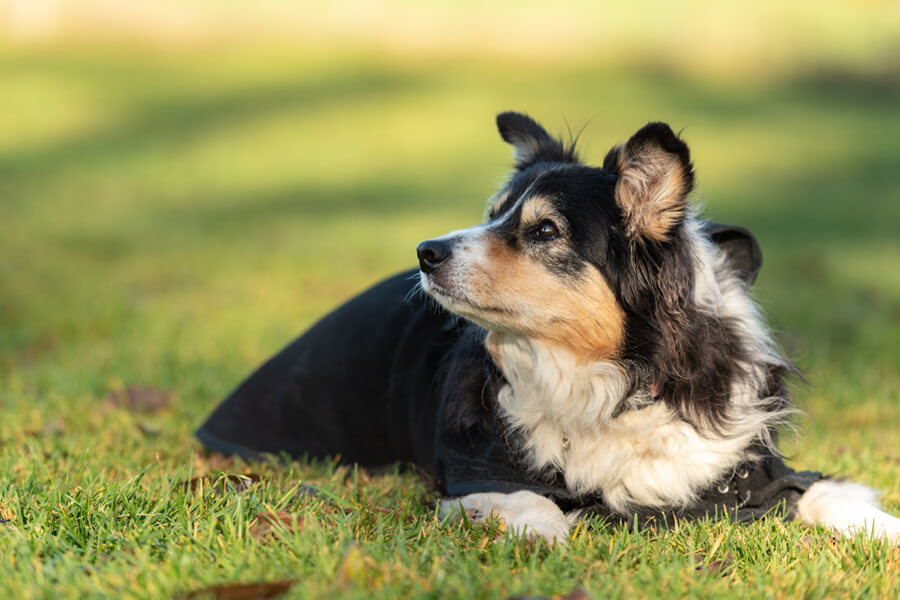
[848,507]
[646,456]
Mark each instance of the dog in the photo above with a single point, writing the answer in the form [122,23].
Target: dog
[592,348]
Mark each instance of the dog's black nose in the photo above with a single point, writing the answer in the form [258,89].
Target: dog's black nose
[431,254]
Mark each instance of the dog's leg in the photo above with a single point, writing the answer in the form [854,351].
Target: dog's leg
[524,513]
[848,507]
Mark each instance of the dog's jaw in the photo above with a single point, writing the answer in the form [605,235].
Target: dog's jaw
[480,315]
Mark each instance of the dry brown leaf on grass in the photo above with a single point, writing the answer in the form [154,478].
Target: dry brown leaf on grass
[721,566]
[139,398]
[241,591]
[576,594]
[272,524]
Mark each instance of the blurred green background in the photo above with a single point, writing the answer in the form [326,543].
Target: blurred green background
[185,186]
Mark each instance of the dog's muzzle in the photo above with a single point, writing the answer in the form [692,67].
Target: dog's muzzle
[431,254]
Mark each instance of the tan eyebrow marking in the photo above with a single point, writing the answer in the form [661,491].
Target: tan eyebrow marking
[496,201]
[536,208]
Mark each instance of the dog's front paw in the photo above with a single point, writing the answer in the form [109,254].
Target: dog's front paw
[523,514]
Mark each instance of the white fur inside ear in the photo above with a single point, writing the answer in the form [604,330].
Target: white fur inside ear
[524,149]
[847,507]
[651,193]
[524,513]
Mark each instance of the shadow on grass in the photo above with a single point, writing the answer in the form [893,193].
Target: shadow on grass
[852,199]
[175,120]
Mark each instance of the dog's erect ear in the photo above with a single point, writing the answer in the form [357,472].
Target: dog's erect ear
[531,142]
[655,177]
[740,247]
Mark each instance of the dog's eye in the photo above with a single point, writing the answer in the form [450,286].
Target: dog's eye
[547,230]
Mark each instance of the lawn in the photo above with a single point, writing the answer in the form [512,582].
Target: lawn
[171,219]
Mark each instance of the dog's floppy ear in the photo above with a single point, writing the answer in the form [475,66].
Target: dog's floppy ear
[741,248]
[531,142]
[655,177]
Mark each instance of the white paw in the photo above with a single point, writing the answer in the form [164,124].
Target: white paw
[847,507]
[523,514]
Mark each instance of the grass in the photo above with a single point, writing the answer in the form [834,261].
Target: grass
[172,219]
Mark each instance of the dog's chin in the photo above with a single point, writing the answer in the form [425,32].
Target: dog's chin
[492,319]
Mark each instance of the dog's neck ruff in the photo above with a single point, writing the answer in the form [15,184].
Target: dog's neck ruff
[567,415]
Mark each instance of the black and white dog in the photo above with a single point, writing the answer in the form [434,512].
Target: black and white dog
[594,350]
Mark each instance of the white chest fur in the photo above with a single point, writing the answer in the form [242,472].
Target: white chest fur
[646,456]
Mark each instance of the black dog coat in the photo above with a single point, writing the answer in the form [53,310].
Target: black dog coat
[390,377]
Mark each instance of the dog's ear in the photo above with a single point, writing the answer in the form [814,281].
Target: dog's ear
[741,248]
[531,143]
[655,177]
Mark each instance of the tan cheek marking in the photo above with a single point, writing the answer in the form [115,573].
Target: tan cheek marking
[593,324]
[583,317]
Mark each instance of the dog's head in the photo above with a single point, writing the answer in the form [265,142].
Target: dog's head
[572,254]
[608,263]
